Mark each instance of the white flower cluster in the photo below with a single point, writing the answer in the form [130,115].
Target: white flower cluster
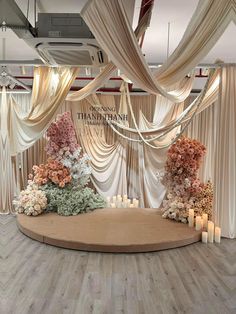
[79,166]
[31,201]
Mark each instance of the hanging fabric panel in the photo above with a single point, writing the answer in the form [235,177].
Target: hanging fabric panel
[121,45]
[207,25]
[50,88]
[225,154]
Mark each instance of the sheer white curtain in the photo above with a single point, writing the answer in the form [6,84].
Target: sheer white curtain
[108,154]
[225,154]
[7,177]
[203,128]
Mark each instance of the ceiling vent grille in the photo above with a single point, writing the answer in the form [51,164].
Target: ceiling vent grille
[64,51]
[72,42]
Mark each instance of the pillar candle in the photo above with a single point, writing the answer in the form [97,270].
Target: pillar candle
[118,204]
[210,229]
[125,197]
[204,236]
[114,199]
[202,223]
[108,201]
[205,220]
[118,196]
[136,203]
[128,202]
[191,217]
[198,223]
[191,221]
[191,212]
[113,205]
[217,234]
[118,201]
[131,205]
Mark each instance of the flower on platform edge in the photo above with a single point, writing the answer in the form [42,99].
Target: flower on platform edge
[53,171]
[31,201]
[184,189]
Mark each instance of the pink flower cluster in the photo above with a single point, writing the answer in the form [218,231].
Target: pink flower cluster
[203,201]
[61,135]
[183,162]
[53,171]
[184,189]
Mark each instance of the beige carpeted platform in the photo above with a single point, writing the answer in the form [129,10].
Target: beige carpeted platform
[109,230]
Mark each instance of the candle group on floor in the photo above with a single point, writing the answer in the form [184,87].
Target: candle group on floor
[119,201]
[210,233]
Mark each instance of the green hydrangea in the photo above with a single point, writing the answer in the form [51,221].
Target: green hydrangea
[72,200]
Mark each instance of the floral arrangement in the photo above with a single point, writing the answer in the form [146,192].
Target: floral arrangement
[63,179]
[31,201]
[53,171]
[62,146]
[62,137]
[72,200]
[184,189]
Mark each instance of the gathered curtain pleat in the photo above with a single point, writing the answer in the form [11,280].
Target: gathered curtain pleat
[7,186]
[50,88]
[225,154]
[203,128]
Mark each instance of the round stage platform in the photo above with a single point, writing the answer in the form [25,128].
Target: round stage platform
[119,230]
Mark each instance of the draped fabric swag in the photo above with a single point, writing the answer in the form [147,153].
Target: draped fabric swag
[50,89]
[208,23]
[121,45]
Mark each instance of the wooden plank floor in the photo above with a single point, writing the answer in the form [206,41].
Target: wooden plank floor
[37,278]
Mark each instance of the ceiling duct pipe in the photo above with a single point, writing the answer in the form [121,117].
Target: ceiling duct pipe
[12,17]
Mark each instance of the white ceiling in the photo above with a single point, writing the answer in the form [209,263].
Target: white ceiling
[177,12]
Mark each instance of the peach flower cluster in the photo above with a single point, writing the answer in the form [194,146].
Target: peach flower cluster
[182,164]
[31,201]
[184,189]
[53,171]
[203,201]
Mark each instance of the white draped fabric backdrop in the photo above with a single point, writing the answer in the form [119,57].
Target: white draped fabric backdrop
[120,166]
[131,166]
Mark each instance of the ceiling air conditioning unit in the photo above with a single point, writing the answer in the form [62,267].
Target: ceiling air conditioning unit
[65,39]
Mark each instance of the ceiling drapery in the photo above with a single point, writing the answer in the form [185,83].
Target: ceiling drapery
[50,88]
[121,46]
[208,23]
